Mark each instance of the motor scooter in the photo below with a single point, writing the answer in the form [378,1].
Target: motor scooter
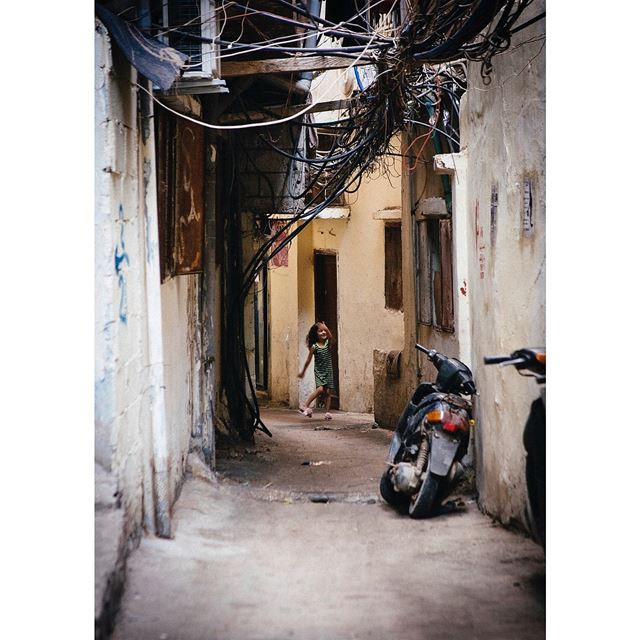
[532,362]
[424,461]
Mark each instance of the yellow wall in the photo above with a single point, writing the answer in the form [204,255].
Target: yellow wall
[283,329]
[363,322]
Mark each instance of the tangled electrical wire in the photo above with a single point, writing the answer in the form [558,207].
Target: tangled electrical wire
[420,78]
[418,50]
[433,31]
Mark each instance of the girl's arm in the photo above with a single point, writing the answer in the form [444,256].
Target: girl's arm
[306,364]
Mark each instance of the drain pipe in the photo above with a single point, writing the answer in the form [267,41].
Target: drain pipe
[302,86]
[156,384]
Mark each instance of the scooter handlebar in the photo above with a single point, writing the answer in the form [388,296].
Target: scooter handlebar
[531,360]
[429,352]
[496,359]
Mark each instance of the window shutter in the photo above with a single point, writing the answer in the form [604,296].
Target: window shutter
[423,263]
[447,320]
[392,267]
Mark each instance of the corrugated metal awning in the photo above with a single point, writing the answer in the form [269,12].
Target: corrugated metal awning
[156,61]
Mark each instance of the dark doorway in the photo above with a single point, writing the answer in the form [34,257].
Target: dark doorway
[261,329]
[326,308]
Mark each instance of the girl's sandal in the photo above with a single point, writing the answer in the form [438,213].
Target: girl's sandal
[306,412]
[328,416]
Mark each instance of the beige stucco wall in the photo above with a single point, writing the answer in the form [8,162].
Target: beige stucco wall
[363,322]
[503,130]
[181,343]
[283,328]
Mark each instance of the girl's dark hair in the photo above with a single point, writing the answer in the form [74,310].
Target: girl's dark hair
[312,336]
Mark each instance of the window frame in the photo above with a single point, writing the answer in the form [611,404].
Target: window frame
[434,273]
[393,295]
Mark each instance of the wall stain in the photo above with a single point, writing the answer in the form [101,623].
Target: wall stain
[480,244]
[121,256]
[150,245]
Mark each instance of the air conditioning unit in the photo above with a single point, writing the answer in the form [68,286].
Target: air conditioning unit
[191,27]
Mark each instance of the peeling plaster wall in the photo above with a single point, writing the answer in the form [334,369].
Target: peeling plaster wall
[181,344]
[503,129]
[126,254]
[123,438]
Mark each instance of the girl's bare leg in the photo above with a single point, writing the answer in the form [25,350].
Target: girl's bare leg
[327,403]
[306,409]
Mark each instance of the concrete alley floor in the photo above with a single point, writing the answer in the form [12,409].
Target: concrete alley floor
[291,540]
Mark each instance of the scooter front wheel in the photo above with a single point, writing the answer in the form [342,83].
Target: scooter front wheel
[421,506]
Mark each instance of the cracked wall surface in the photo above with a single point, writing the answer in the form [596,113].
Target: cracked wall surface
[141,382]
[503,129]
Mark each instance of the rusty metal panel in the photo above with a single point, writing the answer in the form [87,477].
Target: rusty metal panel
[164,179]
[189,198]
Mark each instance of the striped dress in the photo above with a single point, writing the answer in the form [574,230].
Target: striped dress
[322,365]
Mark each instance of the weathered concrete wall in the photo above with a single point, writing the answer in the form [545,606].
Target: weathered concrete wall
[390,393]
[123,436]
[211,311]
[503,129]
[182,359]
[145,403]
[123,443]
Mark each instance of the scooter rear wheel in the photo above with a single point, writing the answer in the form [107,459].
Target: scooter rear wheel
[398,500]
[422,505]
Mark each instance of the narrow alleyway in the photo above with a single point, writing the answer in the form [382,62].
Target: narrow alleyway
[291,540]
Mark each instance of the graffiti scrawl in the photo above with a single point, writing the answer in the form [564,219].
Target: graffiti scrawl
[480,245]
[120,257]
[147,227]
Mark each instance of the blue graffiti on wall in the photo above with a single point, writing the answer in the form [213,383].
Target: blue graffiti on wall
[121,256]
[147,182]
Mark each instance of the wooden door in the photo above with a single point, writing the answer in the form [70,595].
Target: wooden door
[326,308]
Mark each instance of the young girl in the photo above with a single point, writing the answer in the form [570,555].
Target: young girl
[318,341]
